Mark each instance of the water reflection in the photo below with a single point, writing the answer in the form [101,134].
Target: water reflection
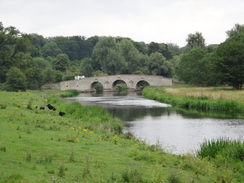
[154,122]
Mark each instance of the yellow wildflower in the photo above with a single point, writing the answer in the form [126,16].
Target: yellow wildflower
[100,139]
[79,128]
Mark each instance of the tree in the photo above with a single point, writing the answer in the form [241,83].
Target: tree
[156,64]
[190,69]
[108,55]
[34,78]
[14,49]
[38,41]
[130,55]
[16,80]
[48,75]
[237,29]
[61,62]
[50,49]
[229,67]
[160,48]
[195,41]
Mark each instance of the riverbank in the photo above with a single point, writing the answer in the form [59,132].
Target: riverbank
[207,99]
[86,145]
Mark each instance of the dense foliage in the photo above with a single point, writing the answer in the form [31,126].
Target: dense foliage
[214,65]
[48,60]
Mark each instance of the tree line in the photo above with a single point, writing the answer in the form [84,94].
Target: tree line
[27,61]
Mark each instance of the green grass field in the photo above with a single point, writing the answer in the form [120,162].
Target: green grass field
[86,145]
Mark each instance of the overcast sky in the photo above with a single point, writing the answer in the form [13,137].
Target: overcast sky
[161,21]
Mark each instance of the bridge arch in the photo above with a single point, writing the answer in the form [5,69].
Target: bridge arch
[93,86]
[141,84]
[118,81]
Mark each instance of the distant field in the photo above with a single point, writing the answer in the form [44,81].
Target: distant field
[219,100]
[226,93]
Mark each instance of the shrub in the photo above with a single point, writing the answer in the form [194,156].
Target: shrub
[70,93]
[3,106]
[16,80]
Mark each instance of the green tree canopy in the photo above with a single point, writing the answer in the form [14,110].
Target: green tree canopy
[156,64]
[50,49]
[16,80]
[61,62]
[108,55]
[34,78]
[237,29]
[229,67]
[195,40]
[190,69]
[130,55]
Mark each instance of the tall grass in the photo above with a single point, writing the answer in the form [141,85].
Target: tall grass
[229,149]
[70,93]
[198,102]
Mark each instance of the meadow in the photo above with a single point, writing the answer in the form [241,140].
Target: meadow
[214,100]
[87,145]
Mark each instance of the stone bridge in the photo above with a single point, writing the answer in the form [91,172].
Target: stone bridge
[109,82]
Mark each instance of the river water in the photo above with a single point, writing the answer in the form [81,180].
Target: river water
[156,123]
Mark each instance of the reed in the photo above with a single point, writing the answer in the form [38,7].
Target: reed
[229,149]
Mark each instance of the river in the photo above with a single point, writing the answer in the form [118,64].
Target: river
[157,123]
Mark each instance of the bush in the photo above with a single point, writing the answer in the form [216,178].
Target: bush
[70,93]
[16,80]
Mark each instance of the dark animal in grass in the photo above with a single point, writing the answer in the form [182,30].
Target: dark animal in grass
[51,107]
[61,113]
[42,108]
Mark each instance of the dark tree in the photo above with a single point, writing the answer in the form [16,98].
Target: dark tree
[229,67]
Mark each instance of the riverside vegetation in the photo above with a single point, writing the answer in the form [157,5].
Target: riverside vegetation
[87,145]
[215,101]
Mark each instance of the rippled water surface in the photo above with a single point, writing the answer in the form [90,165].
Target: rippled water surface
[156,123]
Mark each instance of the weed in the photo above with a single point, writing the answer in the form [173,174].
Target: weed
[174,177]
[72,157]
[3,106]
[14,177]
[51,171]
[29,131]
[61,171]
[29,105]
[86,171]
[28,157]
[116,139]
[4,149]
[133,174]
[45,158]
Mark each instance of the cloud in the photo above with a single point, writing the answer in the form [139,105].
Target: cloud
[168,21]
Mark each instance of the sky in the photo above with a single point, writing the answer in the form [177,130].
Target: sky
[161,21]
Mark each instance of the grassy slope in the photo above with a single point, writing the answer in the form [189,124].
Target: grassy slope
[84,146]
